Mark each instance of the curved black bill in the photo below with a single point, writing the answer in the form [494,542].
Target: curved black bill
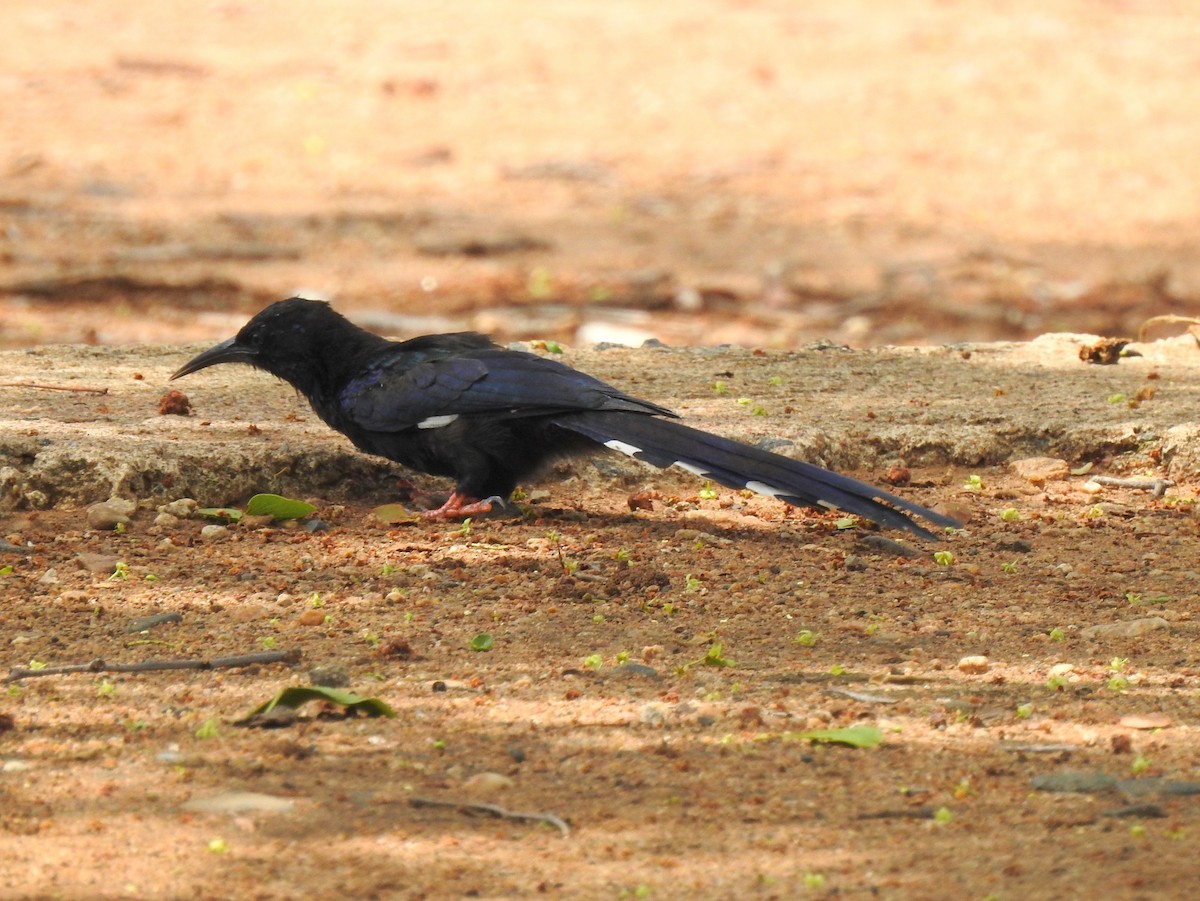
[225,352]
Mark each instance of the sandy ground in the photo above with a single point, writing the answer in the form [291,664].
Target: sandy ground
[652,671]
[763,173]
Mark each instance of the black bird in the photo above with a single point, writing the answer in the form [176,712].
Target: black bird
[459,405]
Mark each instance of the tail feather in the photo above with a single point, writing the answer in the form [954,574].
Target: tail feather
[664,442]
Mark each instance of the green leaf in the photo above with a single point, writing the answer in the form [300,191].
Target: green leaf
[298,695]
[482,642]
[226,514]
[852,736]
[391,514]
[278,507]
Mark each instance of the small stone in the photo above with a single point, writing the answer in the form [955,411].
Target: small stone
[311,617]
[329,675]
[214,533]
[487,784]
[98,563]
[259,521]
[183,507]
[166,521]
[1133,628]
[653,714]
[1092,487]
[106,516]
[49,577]
[1062,669]
[1040,469]
[975,665]
[1014,544]
[1145,721]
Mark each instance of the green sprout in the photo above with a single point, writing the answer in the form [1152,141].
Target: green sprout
[1009,568]
[720,388]
[692,583]
[1010,514]
[593,661]
[120,572]
[708,493]
[943,558]
[973,483]
[1024,711]
[1140,764]
[807,637]
[209,729]
[1057,634]
[714,656]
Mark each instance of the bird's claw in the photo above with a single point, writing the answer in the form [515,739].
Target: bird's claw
[460,506]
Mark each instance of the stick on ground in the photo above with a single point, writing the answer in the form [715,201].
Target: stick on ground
[103,666]
[496,810]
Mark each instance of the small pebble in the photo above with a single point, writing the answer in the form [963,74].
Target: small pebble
[329,675]
[107,516]
[98,563]
[1040,469]
[214,533]
[311,617]
[166,521]
[1145,721]
[183,507]
[1133,628]
[487,784]
[975,665]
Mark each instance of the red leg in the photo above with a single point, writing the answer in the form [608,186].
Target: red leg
[459,506]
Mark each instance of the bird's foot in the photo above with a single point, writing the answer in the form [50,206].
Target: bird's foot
[460,506]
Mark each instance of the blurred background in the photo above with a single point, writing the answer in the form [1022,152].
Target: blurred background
[766,172]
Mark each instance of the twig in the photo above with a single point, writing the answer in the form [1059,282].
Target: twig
[496,810]
[1156,487]
[54,387]
[99,665]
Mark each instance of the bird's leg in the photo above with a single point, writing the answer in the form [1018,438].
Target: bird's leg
[460,506]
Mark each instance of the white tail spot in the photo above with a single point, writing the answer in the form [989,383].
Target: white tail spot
[621,446]
[764,488]
[437,422]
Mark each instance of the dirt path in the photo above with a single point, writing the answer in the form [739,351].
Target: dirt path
[602,700]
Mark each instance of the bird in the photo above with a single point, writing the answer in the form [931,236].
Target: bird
[489,417]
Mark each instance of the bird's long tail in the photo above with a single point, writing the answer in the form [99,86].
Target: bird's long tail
[664,442]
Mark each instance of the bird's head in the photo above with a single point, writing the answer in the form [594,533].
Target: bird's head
[292,339]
